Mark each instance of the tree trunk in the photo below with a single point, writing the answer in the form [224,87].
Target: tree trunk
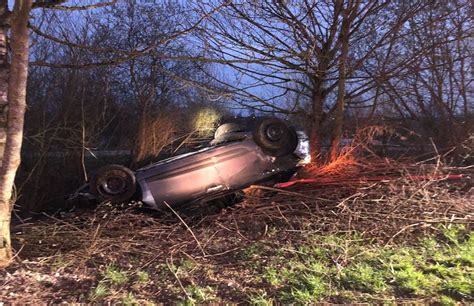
[318,97]
[4,71]
[341,87]
[315,134]
[16,111]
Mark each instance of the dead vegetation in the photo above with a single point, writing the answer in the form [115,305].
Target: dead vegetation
[217,252]
[387,201]
[154,134]
[166,132]
[353,157]
[77,255]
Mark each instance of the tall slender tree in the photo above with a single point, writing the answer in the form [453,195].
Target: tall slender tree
[349,11]
[4,71]
[16,96]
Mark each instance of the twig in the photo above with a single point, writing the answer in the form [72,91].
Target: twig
[175,274]
[402,230]
[188,228]
[65,223]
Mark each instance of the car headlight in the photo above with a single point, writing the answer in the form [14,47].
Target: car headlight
[302,150]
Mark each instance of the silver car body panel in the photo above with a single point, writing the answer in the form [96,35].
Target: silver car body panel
[208,173]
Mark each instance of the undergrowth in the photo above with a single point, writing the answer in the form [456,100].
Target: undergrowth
[399,241]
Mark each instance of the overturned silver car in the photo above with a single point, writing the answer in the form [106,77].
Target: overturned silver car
[235,159]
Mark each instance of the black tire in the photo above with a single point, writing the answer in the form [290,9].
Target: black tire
[275,137]
[113,183]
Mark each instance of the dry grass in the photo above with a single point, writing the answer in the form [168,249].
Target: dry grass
[394,210]
[154,134]
[159,132]
[352,157]
[205,122]
[78,247]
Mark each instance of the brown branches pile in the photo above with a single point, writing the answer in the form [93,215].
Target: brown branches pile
[389,211]
[392,211]
[78,245]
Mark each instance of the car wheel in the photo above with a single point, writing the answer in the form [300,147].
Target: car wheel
[114,183]
[275,137]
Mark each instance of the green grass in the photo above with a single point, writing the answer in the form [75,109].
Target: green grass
[129,299]
[439,269]
[114,276]
[253,251]
[364,277]
[316,268]
[99,292]
[114,281]
[200,295]
[260,298]
[142,277]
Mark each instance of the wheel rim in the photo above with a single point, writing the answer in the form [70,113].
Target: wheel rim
[114,185]
[274,132]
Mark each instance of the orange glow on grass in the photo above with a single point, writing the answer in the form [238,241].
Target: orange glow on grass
[349,162]
[345,165]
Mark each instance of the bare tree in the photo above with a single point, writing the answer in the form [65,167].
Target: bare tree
[295,47]
[16,109]
[142,88]
[433,93]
